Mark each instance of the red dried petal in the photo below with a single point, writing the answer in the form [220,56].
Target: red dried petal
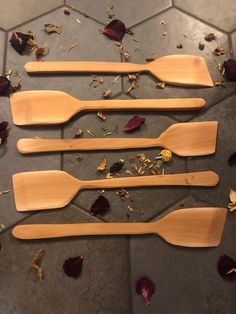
[3,131]
[225,265]
[115,30]
[5,86]
[19,41]
[134,123]
[100,206]
[73,266]
[146,288]
[230,69]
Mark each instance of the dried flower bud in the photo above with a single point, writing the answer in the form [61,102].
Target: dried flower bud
[78,132]
[107,94]
[166,155]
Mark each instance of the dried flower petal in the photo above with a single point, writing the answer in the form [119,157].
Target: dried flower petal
[2,227]
[4,192]
[101,116]
[100,206]
[96,80]
[41,51]
[201,46]
[179,46]
[90,132]
[109,12]
[21,41]
[134,123]
[227,267]
[210,37]
[163,22]
[107,94]
[35,264]
[73,266]
[220,83]
[5,86]
[78,132]
[117,166]
[219,51]
[3,131]
[232,197]
[66,11]
[232,160]
[52,28]
[102,165]
[115,30]
[230,69]
[146,288]
[160,85]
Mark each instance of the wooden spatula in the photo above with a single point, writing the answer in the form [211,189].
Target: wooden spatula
[173,69]
[192,227]
[54,107]
[54,189]
[184,139]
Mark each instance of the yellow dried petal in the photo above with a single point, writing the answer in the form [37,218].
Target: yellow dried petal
[102,165]
[232,196]
[166,155]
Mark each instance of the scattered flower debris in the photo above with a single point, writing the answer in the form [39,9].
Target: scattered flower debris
[109,12]
[115,79]
[134,123]
[52,28]
[78,132]
[2,227]
[232,197]
[230,69]
[78,21]
[122,52]
[151,58]
[90,132]
[179,46]
[35,263]
[136,40]
[102,165]
[164,34]
[220,83]
[129,172]
[146,288]
[101,115]
[165,155]
[96,81]
[41,51]
[4,192]
[22,41]
[114,30]
[66,11]
[79,157]
[210,37]
[133,78]
[132,158]
[130,208]
[5,86]
[123,194]
[219,51]
[73,44]
[100,206]
[73,266]
[114,130]
[117,166]
[227,267]
[162,22]
[185,35]
[201,46]
[143,159]
[107,94]
[160,85]
[3,131]
[232,160]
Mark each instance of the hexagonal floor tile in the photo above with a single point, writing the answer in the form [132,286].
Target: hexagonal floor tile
[15,12]
[224,113]
[202,290]
[129,12]
[179,26]
[104,277]
[2,44]
[219,13]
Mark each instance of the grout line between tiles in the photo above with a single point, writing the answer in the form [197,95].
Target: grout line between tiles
[130,274]
[230,45]
[5,54]
[88,16]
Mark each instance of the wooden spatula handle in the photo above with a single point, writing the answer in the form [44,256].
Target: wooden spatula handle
[144,104]
[38,231]
[83,66]
[204,178]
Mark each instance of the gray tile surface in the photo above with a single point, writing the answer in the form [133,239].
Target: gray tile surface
[220,13]
[16,12]
[130,12]
[186,279]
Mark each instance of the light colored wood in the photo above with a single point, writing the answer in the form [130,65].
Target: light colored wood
[191,227]
[55,107]
[54,189]
[184,139]
[173,69]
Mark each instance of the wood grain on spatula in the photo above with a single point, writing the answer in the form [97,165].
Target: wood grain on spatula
[184,139]
[38,190]
[174,69]
[54,107]
[191,227]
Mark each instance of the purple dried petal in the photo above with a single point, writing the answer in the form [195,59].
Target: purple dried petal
[227,267]
[117,166]
[115,30]
[100,206]
[73,266]
[19,41]
[230,69]
[3,131]
[232,160]
[5,86]
[134,123]
[146,288]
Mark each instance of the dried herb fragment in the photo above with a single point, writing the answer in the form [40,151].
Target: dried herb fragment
[232,197]
[232,160]
[201,46]
[162,22]
[109,12]
[227,267]
[102,165]
[41,51]
[151,58]
[160,85]
[123,194]
[79,157]
[107,93]
[179,46]
[96,81]
[21,41]
[101,116]
[35,264]
[78,132]
[220,83]
[4,192]
[114,30]
[2,227]
[52,28]
[219,51]
[73,266]
[78,21]
[164,34]
[66,11]
[210,37]
[90,132]
[3,131]
[146,288]
[117,166]
[101,206]
[134,123]
[230,69]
